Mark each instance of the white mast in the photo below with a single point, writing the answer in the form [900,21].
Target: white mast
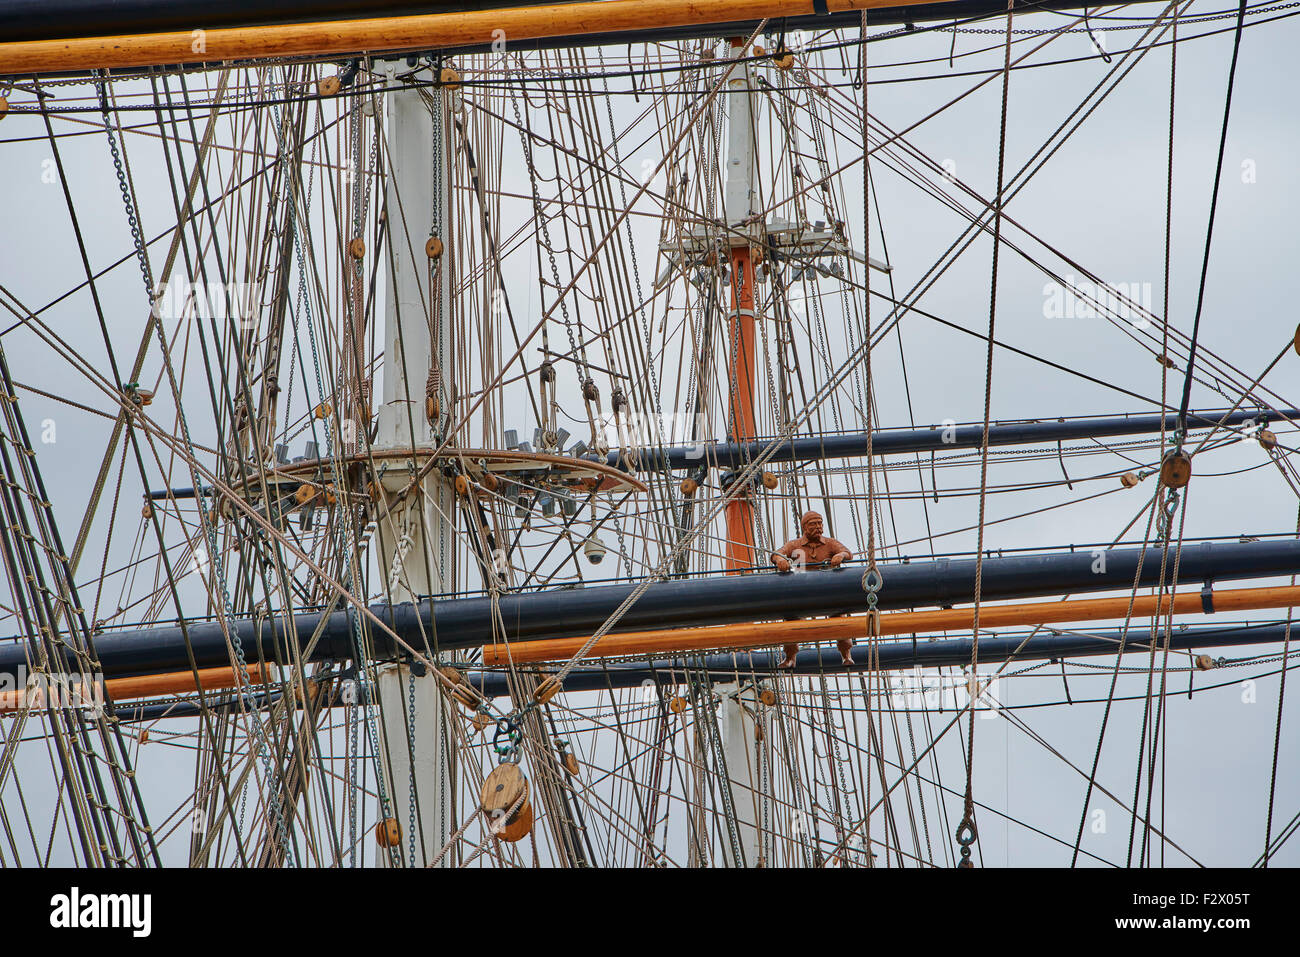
[415,538]
[737,726]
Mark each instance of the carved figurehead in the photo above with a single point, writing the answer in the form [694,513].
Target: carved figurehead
[812,550]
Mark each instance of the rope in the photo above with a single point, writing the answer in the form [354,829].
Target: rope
[1277,730]
[1209,230]
[966,832]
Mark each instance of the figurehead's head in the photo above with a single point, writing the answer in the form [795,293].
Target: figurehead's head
[811,523]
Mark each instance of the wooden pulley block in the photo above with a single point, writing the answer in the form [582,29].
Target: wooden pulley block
[327,85]
[758,730]
[306,692]
[466,697]
[571,763]
[548,689]
[480,721]
[357,248]
[522,824]
[330,496]
[1165,361]
[304,494]
[770,480]
[144,736]
[677,704]
[504,788]
[388,833]
[1296,341]
[873,622]
[144,397]
[689,486]
[4,108]
[783,61]
[1266,439]
[460,690]
[1128,479]
[490,482]
[147,511]
[430,407]
[1175,470]
[323,410]
[1204,662]
[462,485]
[433,248]
[767,696]
[450,78]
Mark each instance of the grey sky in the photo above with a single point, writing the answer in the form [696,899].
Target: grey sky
[1100,201]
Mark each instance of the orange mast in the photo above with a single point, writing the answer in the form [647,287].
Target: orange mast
[738,211]
[740,382]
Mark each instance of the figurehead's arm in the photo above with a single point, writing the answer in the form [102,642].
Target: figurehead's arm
[839,553]
[781,557]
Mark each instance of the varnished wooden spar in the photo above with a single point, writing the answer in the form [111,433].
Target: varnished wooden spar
[126,689]
[397,34]
[753,634]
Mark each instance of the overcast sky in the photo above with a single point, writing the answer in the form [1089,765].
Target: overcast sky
[1100,201]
